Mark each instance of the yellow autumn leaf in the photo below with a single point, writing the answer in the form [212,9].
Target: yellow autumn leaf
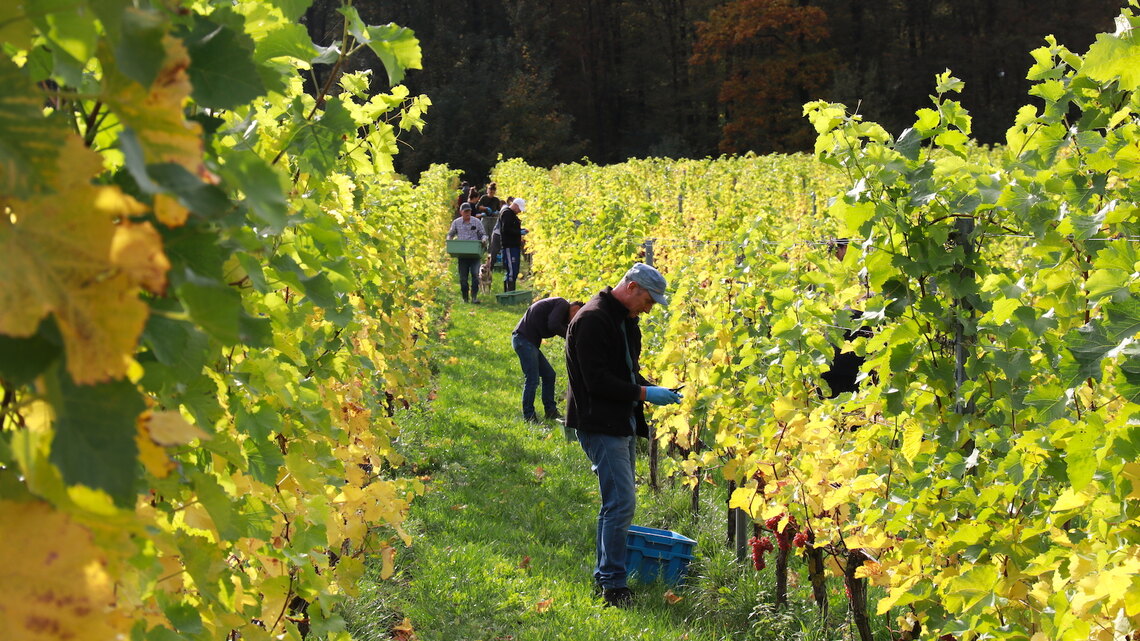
[404,631]
[1071,499]
[169,211]
[169,428]
[544,605]
[742,498]
[57,250]
[54,584]
[137,249]
[1131,471]
[671,598]
[388,562]
[152,455]
[155,113]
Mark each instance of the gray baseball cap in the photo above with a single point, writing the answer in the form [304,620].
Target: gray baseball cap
[651,280]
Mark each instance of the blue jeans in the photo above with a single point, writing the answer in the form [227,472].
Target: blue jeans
[535,367]
[612,459]
[511,265]
[469,268]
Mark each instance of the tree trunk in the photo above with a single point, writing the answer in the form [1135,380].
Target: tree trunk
[818,579]
[781,577]
[857,594]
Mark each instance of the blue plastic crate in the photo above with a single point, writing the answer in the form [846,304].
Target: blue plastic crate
[657,554]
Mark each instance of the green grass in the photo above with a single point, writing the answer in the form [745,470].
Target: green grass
[508,523]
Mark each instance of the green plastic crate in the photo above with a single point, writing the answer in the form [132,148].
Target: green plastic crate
[517,297]
[464,248]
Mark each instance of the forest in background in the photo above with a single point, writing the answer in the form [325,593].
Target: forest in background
[553,81]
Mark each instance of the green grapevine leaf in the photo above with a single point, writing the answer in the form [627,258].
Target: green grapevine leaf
[292,9]
[23,359]
[265,458]
[289,40]
[319,142]
[1092,343]
[1114,272]
[398,48]
[221,68]
[72,32]
[1080,457]
[213,305]
[94,443]
[139,50]
[29,142]
[1114,57]
[263,187]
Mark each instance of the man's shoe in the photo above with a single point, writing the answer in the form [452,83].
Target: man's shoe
[554,415]
[532,419]
[475,301]
[617,597]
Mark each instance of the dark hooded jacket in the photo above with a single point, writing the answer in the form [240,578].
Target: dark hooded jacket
[604,389]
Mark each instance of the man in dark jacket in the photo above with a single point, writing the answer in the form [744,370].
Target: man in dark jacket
[546,318]
[510,231]
[606,407]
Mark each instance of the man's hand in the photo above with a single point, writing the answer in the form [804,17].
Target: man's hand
[661,395]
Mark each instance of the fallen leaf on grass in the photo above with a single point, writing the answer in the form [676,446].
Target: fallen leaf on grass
[544,605]
[459,507]
[404,631]
[525,563]
[671,598]
[539,473]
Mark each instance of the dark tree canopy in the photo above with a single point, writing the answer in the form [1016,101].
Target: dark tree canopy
[552,81]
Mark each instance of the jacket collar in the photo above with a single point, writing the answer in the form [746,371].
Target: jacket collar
[613,306]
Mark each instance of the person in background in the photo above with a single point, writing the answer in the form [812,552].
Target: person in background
[473,200]
[510,231]
[490,203]
[606,406]
[464,190]
[467,228]
[546,318]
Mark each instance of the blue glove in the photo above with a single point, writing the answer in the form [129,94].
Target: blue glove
[661,395]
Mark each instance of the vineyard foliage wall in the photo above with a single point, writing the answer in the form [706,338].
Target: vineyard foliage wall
[213,293]
[986,471]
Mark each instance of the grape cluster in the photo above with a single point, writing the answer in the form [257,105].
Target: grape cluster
[760,547]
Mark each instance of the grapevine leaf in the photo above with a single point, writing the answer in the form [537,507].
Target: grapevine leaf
[221,506]
[139,51]
[176,343]
[29,143]
[155,112]
[221,69]
[254,271]
[292,9]
[214,306]
[94,443]
[1129,387]
[55,584]
[319,142]
[71,32]
[1090,344]
[58,260]
[204,199]
[909,143]
[263,186]
[1114,269]
[23,359]
[265,458]
[398,48]
[290,40]
[1114,57]
[1080,457]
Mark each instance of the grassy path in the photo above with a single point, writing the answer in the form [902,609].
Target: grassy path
[503,540]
